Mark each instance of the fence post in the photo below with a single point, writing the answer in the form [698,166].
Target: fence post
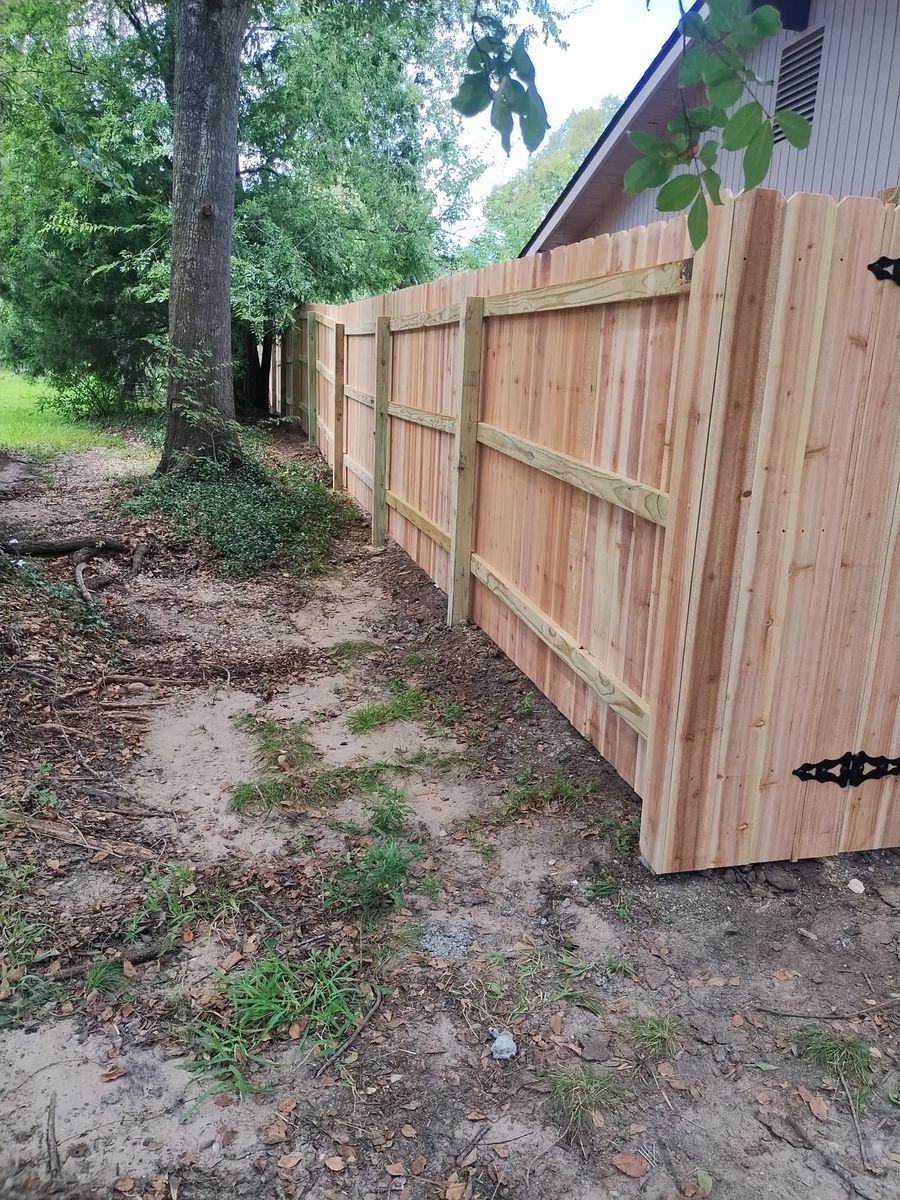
[285,372]
[312,377]
[382,398]
[297,373]
[337,425]
[462,497]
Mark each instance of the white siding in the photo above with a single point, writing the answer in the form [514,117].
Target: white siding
[855,147]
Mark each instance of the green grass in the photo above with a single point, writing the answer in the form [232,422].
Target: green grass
[524,706]
[102,977]
[579,1090]
[26,424]
[618,964]
[405,703]
[655,1037]
[279,743]
[388,809]
[559,788]
[844,1054]
[348,651]
[174,901]
[319,994]
[22,946]
[626,834]
[602,889]
[373,881]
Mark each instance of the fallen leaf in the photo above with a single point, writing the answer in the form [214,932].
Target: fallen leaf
[228,1136]
[704,1181]
[635,1128]
[396,1168]
[408,1131]
[501,1151]
[476,1115]
[737,1020]
[275,1133]
[335,1163]
[418,1165]
[816,1105]
[231,960]
[54,864]
[186,935]
[597,1119]
[115,1072]
[754,1020]
[631,1165]
[124,1185]
[857,886]
[666,1070]
[101,856]
[286,1106]
[287,1162]
[455,1189]
[556,1024]
[784,973]
[129,970]
[470,1159]
[763,1097]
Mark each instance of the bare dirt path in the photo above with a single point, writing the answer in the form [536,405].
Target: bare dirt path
[656,1050]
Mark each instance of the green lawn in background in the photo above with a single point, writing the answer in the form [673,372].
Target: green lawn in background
[41,431]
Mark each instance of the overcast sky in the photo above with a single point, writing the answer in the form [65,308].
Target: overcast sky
[610,45]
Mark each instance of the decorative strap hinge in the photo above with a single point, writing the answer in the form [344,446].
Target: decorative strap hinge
[886,268]
[850,770]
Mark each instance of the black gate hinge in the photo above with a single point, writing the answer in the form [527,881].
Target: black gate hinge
[886,268]
[850,770]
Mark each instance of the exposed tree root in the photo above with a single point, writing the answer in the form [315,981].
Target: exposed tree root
[96,542]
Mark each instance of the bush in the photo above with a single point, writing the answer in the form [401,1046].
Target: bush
[252,517]
[90,397]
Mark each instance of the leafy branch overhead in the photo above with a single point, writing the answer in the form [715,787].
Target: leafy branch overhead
[721,108]
[713,63]
[502,78]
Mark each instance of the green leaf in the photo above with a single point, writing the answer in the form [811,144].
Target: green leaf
[690,68]
[521,62]
[678,193]
[533,120]
[502,121]
[709,152]
[692,25]
[513,94]
[767,20]
[726,92]
[742,126]
[698,221]
[474,95]
[795,127]
[758,156]
[713,181]
[764,1066]
[704,1180]
[646,173]
[647,143]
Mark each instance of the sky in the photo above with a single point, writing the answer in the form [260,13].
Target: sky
[610,45]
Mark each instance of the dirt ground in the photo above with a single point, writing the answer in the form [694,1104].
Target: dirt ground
[527,912]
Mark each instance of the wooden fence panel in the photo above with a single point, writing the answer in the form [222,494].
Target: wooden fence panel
[686,507]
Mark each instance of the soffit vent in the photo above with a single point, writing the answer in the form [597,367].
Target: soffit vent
[798,78]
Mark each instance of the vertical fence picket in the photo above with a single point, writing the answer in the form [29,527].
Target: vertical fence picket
[382,399]
[338,422]
[311,377]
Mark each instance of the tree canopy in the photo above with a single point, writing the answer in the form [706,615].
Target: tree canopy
[515,208]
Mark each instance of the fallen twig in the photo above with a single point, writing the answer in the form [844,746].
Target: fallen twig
[345,1046]
[853,1114]
[135,955]
[53,1161]
[74,837]
[80,584]
[811,1016]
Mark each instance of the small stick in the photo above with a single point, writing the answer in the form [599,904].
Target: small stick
[808,1016]
[81,585]
[342,1049]
[862,1151]
[53,1161]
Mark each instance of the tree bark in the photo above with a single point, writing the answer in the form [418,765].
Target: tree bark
[200,396]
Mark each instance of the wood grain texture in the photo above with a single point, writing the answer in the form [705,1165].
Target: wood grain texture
[337,462]
[426,319]
[427,526]
[606,485]
[312,381]
[359,472]
[421,416]
[382,400]
[325,370]
[360,396]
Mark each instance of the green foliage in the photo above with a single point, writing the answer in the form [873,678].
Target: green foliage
[319,994]
[351,650]
[251,518]
[503,78]
[845,1055]
[524,706]
[580,1090]
[514,209]
[174,901]
[279,743]
[405,703]
[655,1037]
[388,809]
[102,977]
[602,889]
[374,880]
[626,834]
[618,964]
[86,616]
[28,421]
[559,788]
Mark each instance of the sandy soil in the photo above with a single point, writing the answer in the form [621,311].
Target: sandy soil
[95,1097]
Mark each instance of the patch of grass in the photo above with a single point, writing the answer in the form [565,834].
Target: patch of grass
[262,795]
[318,994]
[655,1037]
[409,935]
[28,424]
[843,1054]
[625,906]
[174,902]
[558,789]
[430,885]
[418,660]
[279,743]
[524,706]
[487,850]
[405,703]
[22,946]
[374,880]
[449,712]
[350,650]
[102,977]
[388,809]
[581,998]
[351,826]
[601,889]
[15,878]
[618,964]
[626,834]
[254,517]
[579,1090]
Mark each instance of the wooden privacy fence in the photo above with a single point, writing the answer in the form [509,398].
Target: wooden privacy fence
[669,488]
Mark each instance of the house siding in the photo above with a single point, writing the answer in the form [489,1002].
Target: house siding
[855,146]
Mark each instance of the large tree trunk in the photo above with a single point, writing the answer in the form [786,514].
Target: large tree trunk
[209,35]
